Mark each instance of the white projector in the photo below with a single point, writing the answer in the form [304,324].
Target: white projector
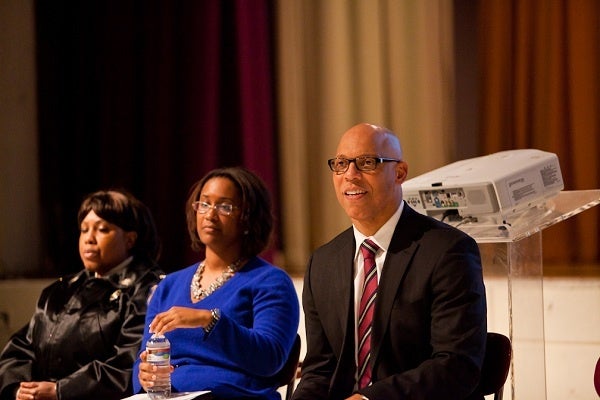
[493,188]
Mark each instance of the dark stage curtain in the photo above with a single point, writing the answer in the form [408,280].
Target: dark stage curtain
[149,96]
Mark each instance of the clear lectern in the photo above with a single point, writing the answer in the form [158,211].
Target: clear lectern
[513,253]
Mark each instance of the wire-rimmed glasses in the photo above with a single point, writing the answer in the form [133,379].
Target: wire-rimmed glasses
[202,207]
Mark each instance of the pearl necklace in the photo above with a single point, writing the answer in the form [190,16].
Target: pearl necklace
[199,293]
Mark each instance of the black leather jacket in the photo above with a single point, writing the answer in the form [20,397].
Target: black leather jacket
[84,335]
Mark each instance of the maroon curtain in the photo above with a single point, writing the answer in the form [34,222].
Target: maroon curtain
[149,96]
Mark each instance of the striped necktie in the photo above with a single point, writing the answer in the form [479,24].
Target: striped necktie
[365,313]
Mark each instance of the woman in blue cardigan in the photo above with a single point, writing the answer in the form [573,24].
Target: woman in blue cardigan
[231,318]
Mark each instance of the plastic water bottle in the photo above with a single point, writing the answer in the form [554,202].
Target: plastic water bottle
[158,351]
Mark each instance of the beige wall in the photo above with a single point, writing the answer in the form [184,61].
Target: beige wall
[19,208]
[17,303]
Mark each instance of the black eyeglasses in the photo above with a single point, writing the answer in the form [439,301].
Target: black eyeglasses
[340,165]
[202,207]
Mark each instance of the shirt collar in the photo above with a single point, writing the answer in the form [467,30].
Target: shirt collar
[383,236]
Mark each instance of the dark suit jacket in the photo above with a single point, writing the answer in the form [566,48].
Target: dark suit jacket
[429,329]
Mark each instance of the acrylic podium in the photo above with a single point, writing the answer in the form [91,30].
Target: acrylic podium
[512,255]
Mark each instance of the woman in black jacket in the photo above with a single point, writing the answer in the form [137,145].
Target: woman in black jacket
[86,330]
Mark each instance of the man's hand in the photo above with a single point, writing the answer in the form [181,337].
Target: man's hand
[357,396]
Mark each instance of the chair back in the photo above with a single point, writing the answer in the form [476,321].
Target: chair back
[287,374]
[496,363]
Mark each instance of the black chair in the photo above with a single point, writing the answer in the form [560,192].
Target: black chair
[498,355]
[287,375]
[597,377]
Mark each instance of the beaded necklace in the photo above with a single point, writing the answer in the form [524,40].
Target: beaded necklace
[199,293]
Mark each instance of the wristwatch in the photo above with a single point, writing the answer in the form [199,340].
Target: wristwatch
[216,315]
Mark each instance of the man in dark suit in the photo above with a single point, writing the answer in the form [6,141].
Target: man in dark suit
[428,329]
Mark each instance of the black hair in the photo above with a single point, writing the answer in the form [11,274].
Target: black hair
[256,216]
[121,208]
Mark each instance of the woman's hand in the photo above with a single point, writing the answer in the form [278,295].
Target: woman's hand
[37,391]
[149,374]
[180,317]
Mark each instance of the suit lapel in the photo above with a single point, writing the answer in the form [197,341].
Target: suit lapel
[342,286]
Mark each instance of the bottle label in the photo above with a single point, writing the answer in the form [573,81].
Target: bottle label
[158,355]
